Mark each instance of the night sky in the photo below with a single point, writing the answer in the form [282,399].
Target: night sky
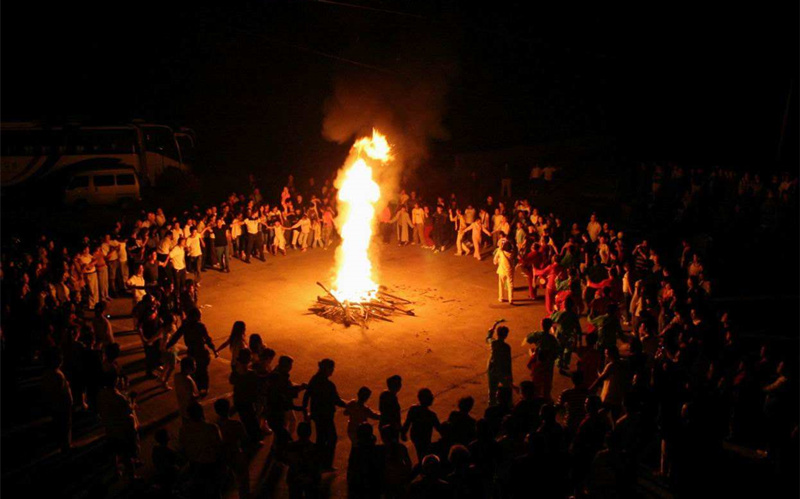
[698,84]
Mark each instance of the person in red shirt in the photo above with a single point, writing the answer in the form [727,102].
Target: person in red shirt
[590,359]
[532,261]
[550,273]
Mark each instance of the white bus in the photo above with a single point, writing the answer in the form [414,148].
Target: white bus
[31,152]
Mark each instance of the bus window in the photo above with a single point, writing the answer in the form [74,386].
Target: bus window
[78,182]
[160,140]
[103,180]
[126,179]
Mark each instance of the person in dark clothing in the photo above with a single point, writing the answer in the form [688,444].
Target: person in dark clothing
[465,479]
[196,337]
[303,459]
[527,410]
[148,328]
[279,400]
[421,420]
[440,224]
[462,423]
[322,398]
[494,414]
[428,484]
[220,236]
[388,405]
[589,439]
[364,466]
[396,464]
[245,392]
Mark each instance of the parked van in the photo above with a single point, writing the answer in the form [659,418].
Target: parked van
[103,186]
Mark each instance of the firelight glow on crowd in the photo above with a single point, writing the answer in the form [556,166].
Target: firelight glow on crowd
[660,381]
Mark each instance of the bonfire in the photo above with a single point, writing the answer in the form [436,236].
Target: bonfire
[355,297]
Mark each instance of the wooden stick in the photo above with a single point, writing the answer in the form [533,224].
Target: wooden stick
[403,300]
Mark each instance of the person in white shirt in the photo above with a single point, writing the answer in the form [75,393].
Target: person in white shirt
[177,232]
[122,248]
[593,228]
[418,219]
[505,269]
[461,226]
[177,265]
[305,230]
[164,247]
[85,261]
[497,220]
[194,247]
[136,284]
[252,226]
[478,230]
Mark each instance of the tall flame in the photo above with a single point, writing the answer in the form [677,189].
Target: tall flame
[358,193]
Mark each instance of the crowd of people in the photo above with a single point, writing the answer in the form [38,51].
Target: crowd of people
[661,371]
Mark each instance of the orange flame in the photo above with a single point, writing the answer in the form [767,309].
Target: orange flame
[358,193]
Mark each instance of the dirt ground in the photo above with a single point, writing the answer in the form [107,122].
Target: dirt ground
[443,347]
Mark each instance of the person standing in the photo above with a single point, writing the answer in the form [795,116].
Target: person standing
[279,400]
[252,226]
[86,263]
[102,273]
[323,398]
[304,226]
[389,405]
[194,248]
[478,230]
[499,368]
[385,219]
[460,227]
[177,265]
[543,357]
[503,258]
[505,182]
[440,220]
[118,414]
[233,437]
[57,398]
[202,444]
[421,421]
[110,250]
[122,249]
[403,221]
[245,392]
[220,235]
[185,387]
[418,221]
[196,337]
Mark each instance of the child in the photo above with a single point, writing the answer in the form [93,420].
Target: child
[421,421]
[388,405]
[359,412]
[463,425]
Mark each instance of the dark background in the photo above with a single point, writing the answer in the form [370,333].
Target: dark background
[699,84]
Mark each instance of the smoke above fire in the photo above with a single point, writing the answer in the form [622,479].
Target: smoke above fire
[407,104]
